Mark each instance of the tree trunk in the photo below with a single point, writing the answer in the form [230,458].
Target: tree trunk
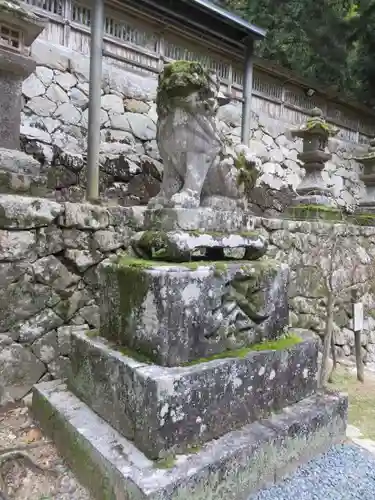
[334,359]
[358,357]
[326,342]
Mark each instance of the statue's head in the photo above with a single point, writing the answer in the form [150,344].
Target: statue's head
[189,83]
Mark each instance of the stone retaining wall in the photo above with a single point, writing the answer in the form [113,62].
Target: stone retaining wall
[301,243]
[48,257]
[54,130]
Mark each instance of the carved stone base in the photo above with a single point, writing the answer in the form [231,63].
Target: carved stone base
[168,410]
[229,468]
[175,313]
[324,199]
[205,219]
[183,246]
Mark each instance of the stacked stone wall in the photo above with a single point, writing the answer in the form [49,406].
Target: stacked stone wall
[49,253]
[54,130]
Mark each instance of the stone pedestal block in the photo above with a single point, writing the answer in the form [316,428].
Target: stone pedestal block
[205,219]
[229,468]
[167,410]
[177,313]
[183,246]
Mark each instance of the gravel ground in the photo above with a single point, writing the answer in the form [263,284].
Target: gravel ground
[346,472]
[22,481]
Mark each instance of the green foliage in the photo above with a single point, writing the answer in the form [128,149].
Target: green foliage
[330,42]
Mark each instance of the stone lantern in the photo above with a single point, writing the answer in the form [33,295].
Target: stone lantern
[315,134]
[367,204]
[19,27]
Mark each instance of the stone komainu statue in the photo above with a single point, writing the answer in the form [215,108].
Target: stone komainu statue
[197,169]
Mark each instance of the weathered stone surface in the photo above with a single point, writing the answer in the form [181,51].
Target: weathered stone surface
[73,300]
[66,80]
[18,162]
[17,245]
[46,348]
[49,240]
[107,241]
[13,183]
[20,212]
[91,314]
[23,299]
[142,126]
[190,144]
[68,113]
[51,271]
[229,468]
[34,328]
[41,106]
[165,410]
[83,259]
[44,74]
[179,246]
[216,306]
[85,216]
[33,87]
[20,369]
[112,103]
[205,219]
[60,368]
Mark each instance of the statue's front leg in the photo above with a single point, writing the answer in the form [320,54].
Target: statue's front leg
[197,166]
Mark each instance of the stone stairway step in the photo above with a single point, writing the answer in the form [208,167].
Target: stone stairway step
[230,468]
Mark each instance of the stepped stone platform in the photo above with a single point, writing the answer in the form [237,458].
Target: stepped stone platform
[194,388]
[169,410]
[228,468]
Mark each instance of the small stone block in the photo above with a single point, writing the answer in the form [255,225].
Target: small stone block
[177,313]
[229,468]
[163,409]
[193,219]
[180,246]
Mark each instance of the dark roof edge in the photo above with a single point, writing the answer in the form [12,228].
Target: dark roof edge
[230,18]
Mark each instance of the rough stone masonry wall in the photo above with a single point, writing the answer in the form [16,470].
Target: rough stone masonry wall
[54,130]
[292,242]
[48,257]
[49,254]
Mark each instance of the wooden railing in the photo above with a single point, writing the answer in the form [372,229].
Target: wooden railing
[145,44]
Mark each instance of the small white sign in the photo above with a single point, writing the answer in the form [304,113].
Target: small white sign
[358,316]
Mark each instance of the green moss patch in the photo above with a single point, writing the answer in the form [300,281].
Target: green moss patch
[165,463]
[269,345]
[180,79]
[363,219]
[247,174]
[91,334]
[321,212]
[136,355]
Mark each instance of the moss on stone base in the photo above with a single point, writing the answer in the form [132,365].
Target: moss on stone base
[269,345]
[363,219]
[321,212]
